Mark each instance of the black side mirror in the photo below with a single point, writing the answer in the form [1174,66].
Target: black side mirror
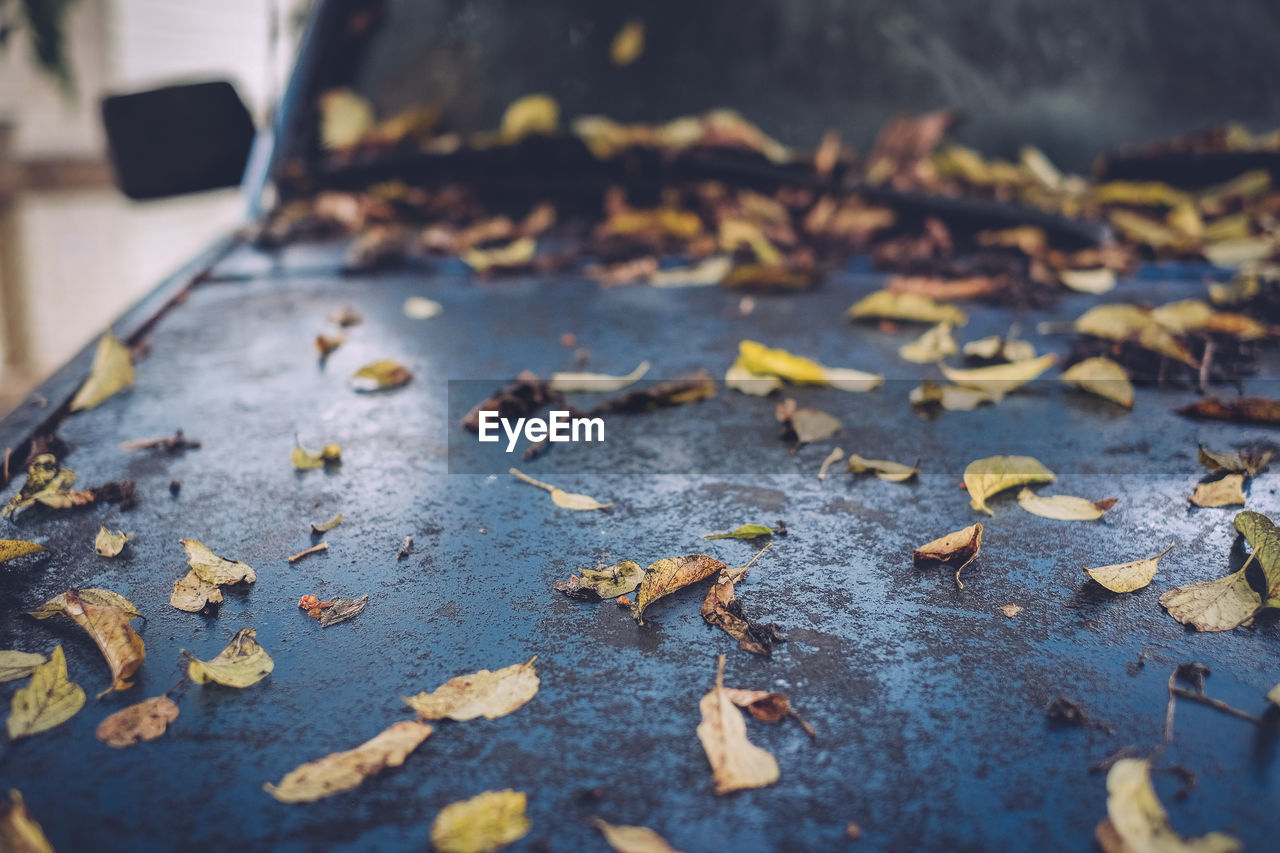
[179,139]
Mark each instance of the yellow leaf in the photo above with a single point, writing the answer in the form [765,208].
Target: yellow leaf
[567,382]
[1140,822]
[325,527]
[192,593]
[109,628]
[47,701]
[1127,577]
[342,771]
[603,583]
[529,115]
[670,574]
[1063,507]
[833,457]
[934,345]
[952,397]
[986,477]
[907,307]
[48,483]
[15,665]
[758,359]
[1217,605]
[100,597]
[211,568]
[1228,491]
[1102,377]
[1250,462]
[628,44]
[19,832]
[242,663]
[739,378]
[632,839]
[709,272]
[1232,254]
[561,498]
[482,824]
[736,763]
[999,378]
[109,544]
[345,117]
[1127,322]
[1145,194]
[12,549]
[739,232]
[481,694]
[112,371]
[959,549]
[147,720]
[1149,232]
[305,460]
[380,375]
[1095,281]
[894,472]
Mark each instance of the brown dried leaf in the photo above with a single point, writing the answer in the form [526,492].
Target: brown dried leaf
[736,763]
[722,609]
[109,628]
[670,574]
[342,609]
[146,720]
[1242,410]
[481,694]
[959,549]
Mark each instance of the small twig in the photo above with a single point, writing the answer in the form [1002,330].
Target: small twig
[1216,704]
[520,475]
[314,549]
[832,458]
[404,549]
[1206,362]
[1168,709]
[804,724]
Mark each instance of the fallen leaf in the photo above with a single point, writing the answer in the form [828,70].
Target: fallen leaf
[1243,410]
[1128,577]
[999,378]
[1228,491]
[48,700]
[109,628]
[1096,281]
[421,308]
[999,348]
[560,497]
[48,483]
[100,597]
[960,547]
[833,457]
[1102,377]
[15,664]
[953,398]
[481,694]
[632,839]
[1264,537]
[736,763]
[739,378]
[1010,610]
[484,823]
[345,117]
[211,568]
[746,531]
[1217,605]
[906,307]
[600,584]
[514,254]
[12,549]
[565,382]
[109,544]
[147,720]
[193,594]
[628,43]
[1231,254]
[676,392]
[112,371]
[305,460]
[1130,323]
[536,114]
[19,832]
[342,771]
[986,477]
[670,574]
[342,609]
[934,345]
[380,376]
[241,664]
[722,609]
[706,273]
[1139,823]
[894,472]
[326,344]
[1249,462]
[328,525]
[806,425]
[1063,507]
[756,358]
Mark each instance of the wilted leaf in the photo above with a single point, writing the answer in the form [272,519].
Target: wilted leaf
[19,832]
[342,771]
[560,497]
[957,549]
[706,273]
[1228,491]
[746,531]
[670,574]
[100,597]
[999,378]
[109,544]
[112,371]
[894,472]
[146,720]
[953,398]
[482,824]
[1264,537]
[1248,462]
[214,569]
[380,376]
[12,549]
[328,525]
[986,477]
[15,664]
[739,378]
[1063,507]
[599,584]
[1096,281]
[481,694]
[421,308]
[736,763]
[528,115]
[758,359]
[934,345]
[722,609]
[342,609]
[48,483]
[564,382]
[628,43]
[906,307]
[1127,577]
[242,663]
[1137,823]
[345,117]
[1243,410]
[1217,605]
[48,700]
[632,839]
[192,594]
[1103,377]
[109,628]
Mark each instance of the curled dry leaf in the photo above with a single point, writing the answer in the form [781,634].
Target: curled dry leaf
[986,477]
[722,609]
[48,700]
[345,117]
[19,832]
[100,597]
[1242,410]
[514,254]
[934,345]
[907,308]
[999,378]
[241,664]
[481,694]
[305,460]
[193,594]
[953,398]
[1248,462]
[213,569]
[1010,610]
[563,382]
[342,771]
[804,426]
[736,763]
[380,376]
[342,609]
[1103,378]
[108,627]
[1063,507]
[760,360]
[1130,323]
[632,839]
[957,549]
[561,498]
[146,720]
[1128,577]
[894,472]
[746,531]
[767,707]
[1137,823]
[15,664]
[112,371]
[326,344]
[602,583]
[529,114]
[109,544]
[670,574]
[1264,537]
[482,824]
[1227,491]
[325,527]
[47,483]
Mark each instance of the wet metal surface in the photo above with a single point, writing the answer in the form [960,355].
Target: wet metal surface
[928,701]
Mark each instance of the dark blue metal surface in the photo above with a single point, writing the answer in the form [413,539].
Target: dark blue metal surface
[929,703]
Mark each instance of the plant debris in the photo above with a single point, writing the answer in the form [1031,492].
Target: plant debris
[19,831]
[746,531]
[1249,462]
[1066,712]
[305,460]
[481,694]
[736,763]
[108,626]
[380,376]
[174,444]
[560,497]
[1230,601]
[603,583]
[314,549]
[1136,821]
[722,609]
[15,664]
[325,527]
[804,426]
[669,575]
[342,771]
[1227,491]
[894,472]
[12,549]
[833,457]
[1101,377]
[563,382]
[957,549]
